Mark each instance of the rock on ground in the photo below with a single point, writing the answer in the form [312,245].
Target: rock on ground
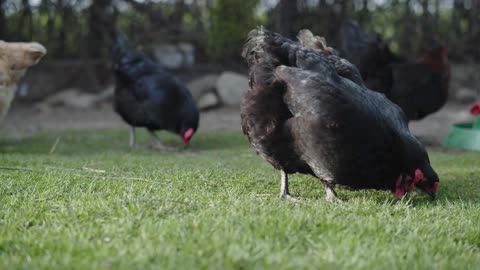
[208,101]
[75,98]
[231,88]
[21,119]
[202,86]
[465,83]
[175,56]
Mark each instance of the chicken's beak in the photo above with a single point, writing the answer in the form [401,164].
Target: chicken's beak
[432,191]
[432,195]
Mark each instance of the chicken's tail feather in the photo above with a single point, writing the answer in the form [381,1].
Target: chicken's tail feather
[263,107]
[253,51]
[264,46]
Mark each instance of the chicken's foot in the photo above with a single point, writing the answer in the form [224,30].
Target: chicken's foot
[284,194]
[331,194]
[158,145]
[131,143]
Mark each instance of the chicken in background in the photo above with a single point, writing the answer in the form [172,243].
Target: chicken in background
[420,88]
[356,45]
[308,111]
[15,59]
[147,95]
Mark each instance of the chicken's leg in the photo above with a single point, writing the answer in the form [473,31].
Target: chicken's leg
[331,194]
[157,144]
[284,194]
[132,137]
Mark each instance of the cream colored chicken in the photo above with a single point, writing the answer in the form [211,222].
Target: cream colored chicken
[15,59]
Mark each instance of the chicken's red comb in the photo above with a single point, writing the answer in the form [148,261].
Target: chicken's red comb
[475,110]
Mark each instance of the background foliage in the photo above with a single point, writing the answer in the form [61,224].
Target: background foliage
[83,29]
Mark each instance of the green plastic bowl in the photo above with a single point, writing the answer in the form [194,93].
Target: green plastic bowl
[464,136]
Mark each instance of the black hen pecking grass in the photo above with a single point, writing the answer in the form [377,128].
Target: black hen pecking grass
[147,95]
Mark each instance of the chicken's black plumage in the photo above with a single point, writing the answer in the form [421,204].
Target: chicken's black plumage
[309,112]
[419,88]
[146,95]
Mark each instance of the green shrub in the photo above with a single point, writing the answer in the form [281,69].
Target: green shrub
[231,20]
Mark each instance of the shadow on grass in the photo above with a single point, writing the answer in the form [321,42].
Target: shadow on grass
[450,191]
[461,187]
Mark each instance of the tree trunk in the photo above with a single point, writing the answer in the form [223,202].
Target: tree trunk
[3,21]
[286,16]
[101,27]
[406,31]
[364,13]
[428,37]
[25,23]
[179,11]
[62,33]
[45,9]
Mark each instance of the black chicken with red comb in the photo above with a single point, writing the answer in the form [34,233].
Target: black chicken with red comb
[147,95]
[308,111]
[420,88]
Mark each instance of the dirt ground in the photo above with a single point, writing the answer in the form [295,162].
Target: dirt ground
[24,119]
[21,120]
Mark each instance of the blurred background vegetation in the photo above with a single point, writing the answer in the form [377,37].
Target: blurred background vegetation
[79,29]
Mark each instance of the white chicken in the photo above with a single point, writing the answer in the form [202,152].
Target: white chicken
[15,59]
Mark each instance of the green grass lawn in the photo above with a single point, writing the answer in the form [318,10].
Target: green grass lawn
[89,202]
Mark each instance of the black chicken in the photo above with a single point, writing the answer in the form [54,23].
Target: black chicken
[419,88]
[146,95]
[309,112]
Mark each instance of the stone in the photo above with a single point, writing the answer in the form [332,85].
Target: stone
[203,85]
[51,77]
[465,95]
[75,98]
[208,101]
[168,56]
[231,88]
[188,51]
[173,56]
